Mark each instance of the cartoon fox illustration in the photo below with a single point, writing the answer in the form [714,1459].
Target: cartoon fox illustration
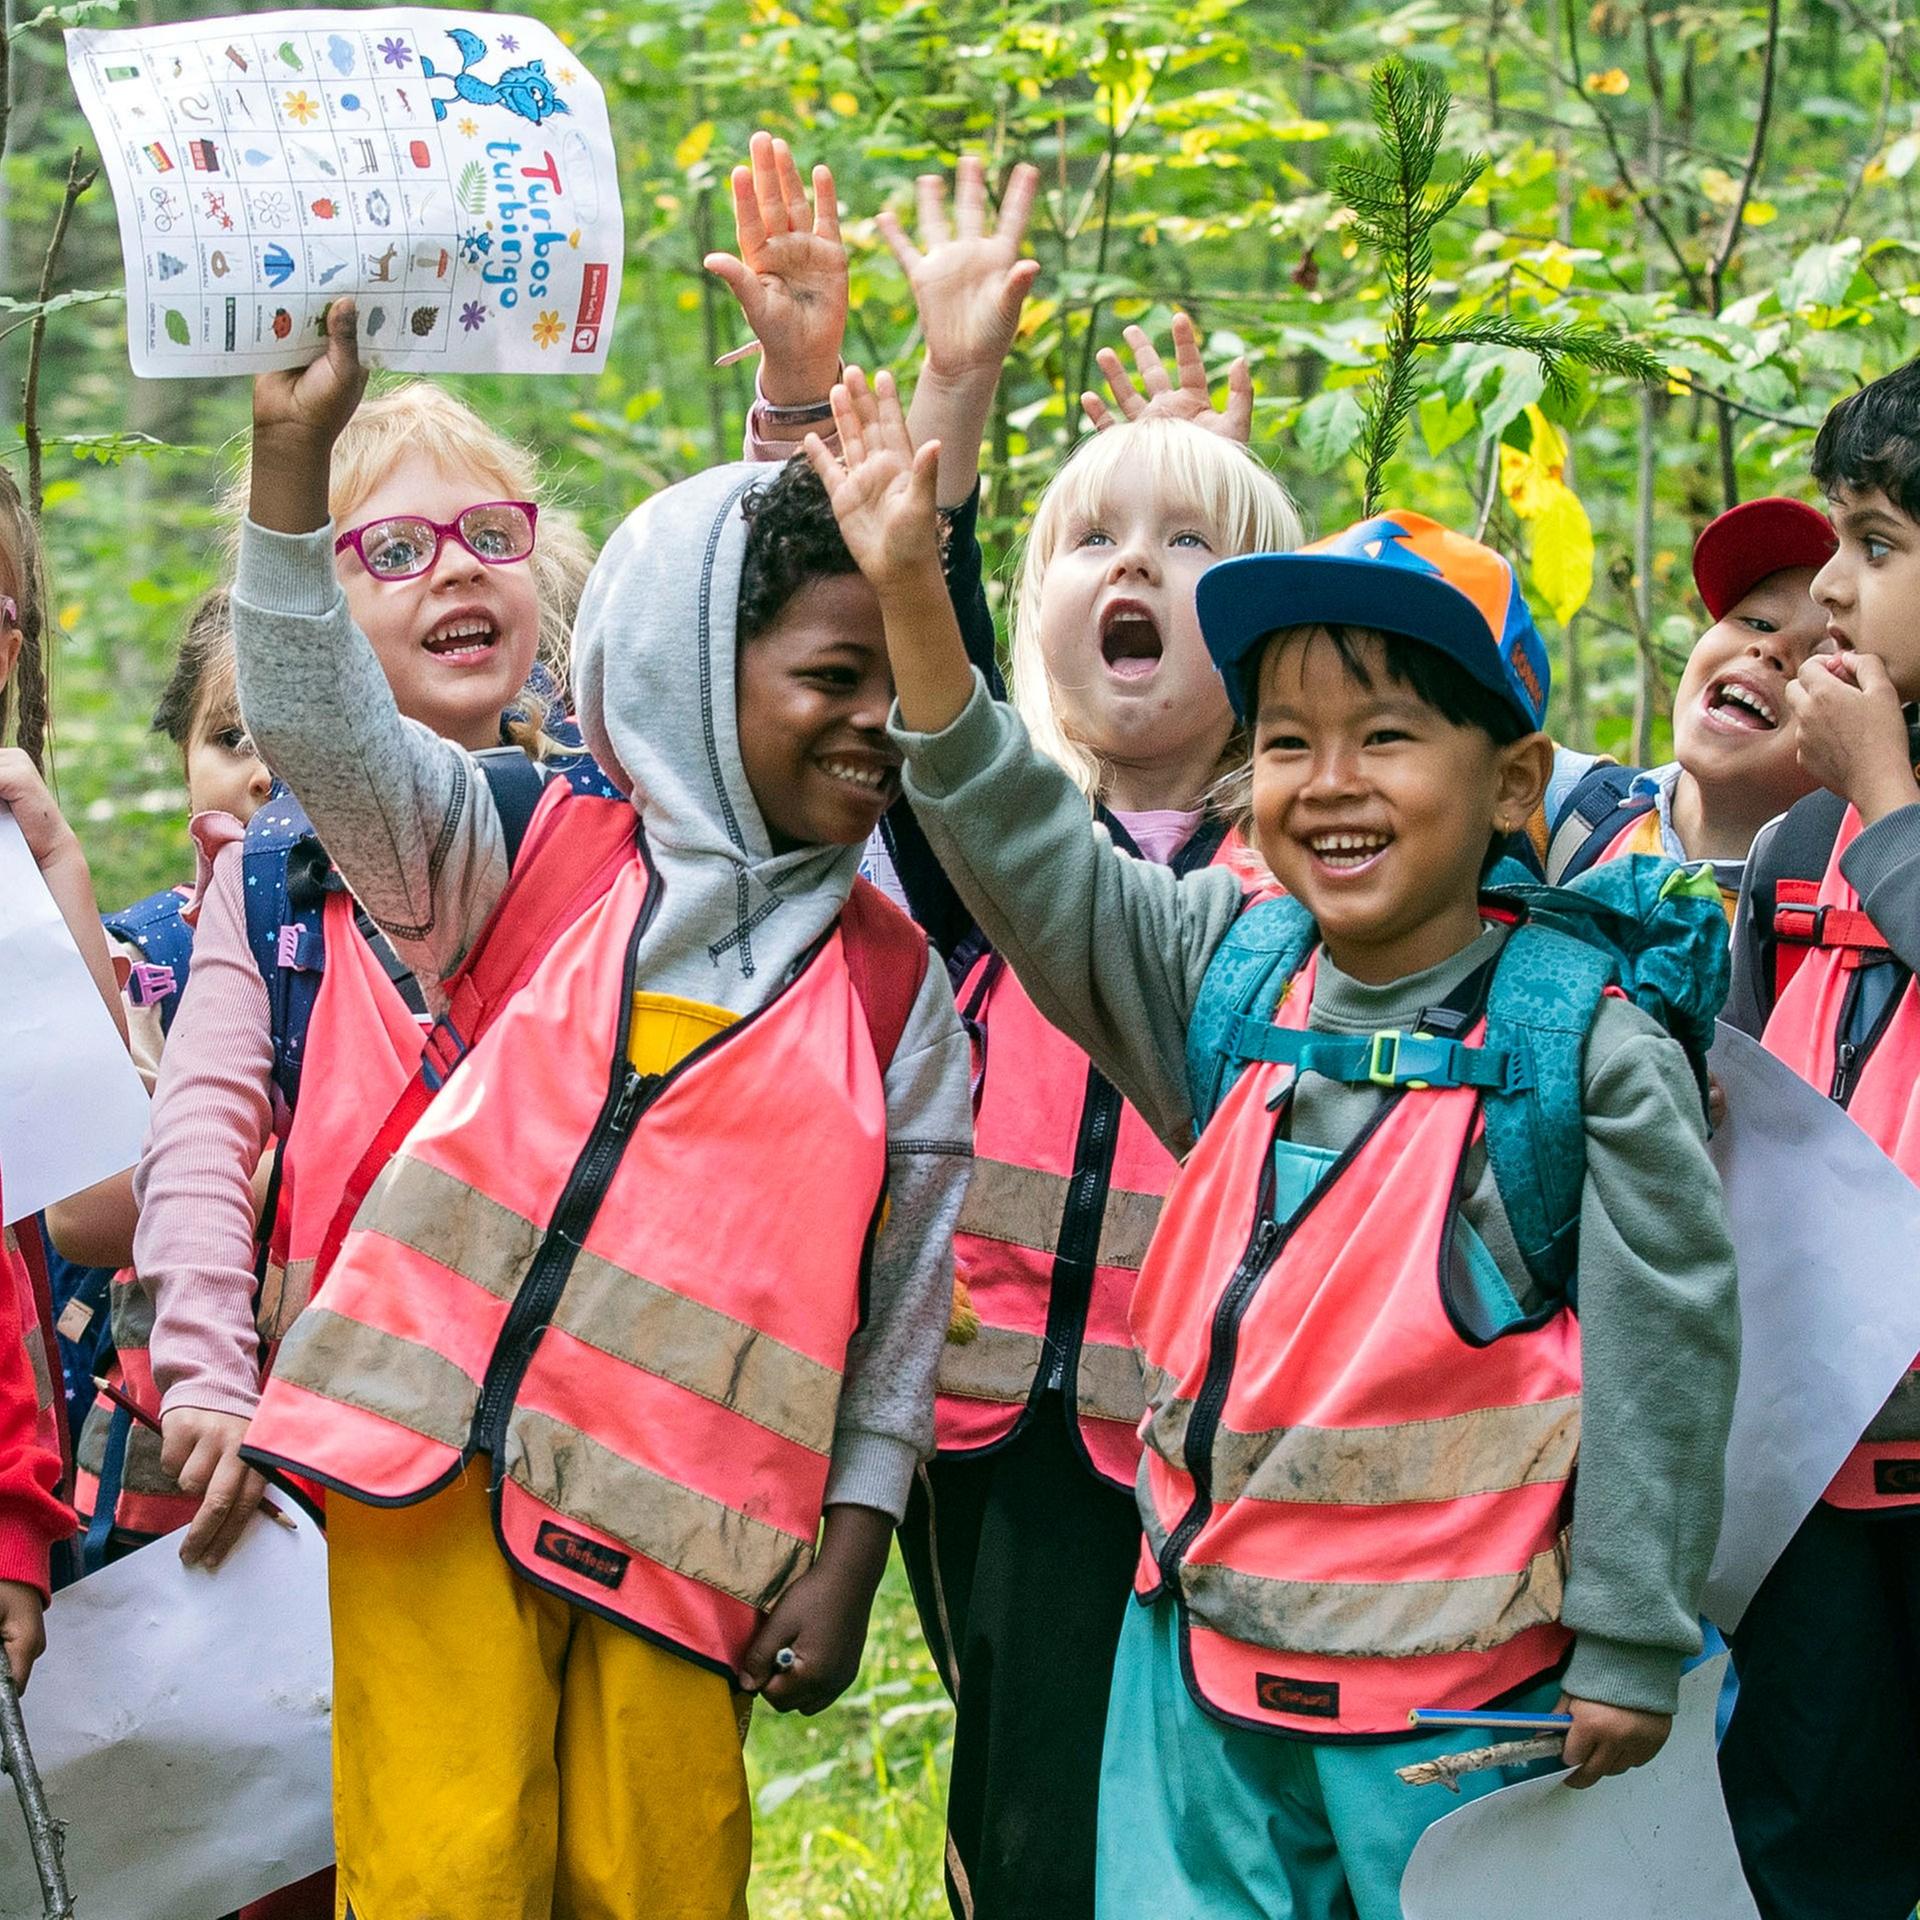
[524,90]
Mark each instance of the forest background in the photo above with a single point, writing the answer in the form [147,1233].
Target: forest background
[1730,186]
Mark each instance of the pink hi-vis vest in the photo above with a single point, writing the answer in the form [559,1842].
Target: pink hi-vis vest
[367,1043]
[1357,1510]
[633,1292]
[1879,1085]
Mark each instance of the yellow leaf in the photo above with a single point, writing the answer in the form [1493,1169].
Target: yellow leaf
[69,615]
[693,149]
[1613,81]
[1759,212]
[1029,87]
[689,299]
[1719,186]
[1561,568]
[844,104]
[1873,173]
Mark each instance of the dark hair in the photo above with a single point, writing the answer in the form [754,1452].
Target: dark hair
[792,537]
[204,663]
[1434,678]
[1872,439]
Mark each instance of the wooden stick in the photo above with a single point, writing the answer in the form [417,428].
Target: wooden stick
[1446,1771]
[45,1834]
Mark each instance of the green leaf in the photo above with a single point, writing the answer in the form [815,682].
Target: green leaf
[1442,424]
[1522,381]
[1821,275]
[1328,426]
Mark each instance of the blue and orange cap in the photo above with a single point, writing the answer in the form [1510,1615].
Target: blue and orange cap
[1398,572]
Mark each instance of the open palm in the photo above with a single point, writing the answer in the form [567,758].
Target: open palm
[882,495]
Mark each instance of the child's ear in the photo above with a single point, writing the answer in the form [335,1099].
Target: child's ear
[1525,767]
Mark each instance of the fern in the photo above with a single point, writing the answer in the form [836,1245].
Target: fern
[473,188]
[1397,203]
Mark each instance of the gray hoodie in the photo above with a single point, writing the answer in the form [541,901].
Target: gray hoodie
[410,822]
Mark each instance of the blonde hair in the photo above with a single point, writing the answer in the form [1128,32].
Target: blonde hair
[26,564]
[1245,505]
[417,418]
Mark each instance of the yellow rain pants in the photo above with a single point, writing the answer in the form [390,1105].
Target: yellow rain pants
[500,1754]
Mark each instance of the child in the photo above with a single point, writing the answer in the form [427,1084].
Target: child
[1023,1534]
[1822,1760]
[33,1517]
[1315,1567]
[1734,766]
[636,1257]
[199,711]
[218,1289]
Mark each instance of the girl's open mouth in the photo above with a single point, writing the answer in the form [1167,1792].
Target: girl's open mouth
[1739,706]
[463,640]
[1348,853]
[1130,640]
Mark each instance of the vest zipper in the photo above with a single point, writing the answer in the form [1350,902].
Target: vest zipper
[1071,1289]
[628,1094]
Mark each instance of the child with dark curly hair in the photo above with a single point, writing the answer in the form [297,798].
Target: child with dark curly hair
[621,1375]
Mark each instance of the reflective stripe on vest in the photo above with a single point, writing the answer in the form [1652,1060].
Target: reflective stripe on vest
[1357,1511]
[36,1345]
[1056,1150]
[1882,1093]
[589,1275]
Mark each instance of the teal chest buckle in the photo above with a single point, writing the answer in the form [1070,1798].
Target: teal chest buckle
[1390,1059]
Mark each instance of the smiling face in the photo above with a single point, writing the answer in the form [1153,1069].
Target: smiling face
[1374,809]
[1870,589]
[1731,722]
[814,690]
[456,642]
[1128,670]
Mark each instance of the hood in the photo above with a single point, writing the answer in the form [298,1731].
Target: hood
[654,679]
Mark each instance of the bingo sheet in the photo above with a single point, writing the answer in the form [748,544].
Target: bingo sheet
[454,171]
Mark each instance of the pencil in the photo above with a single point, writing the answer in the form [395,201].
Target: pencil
[1494,1717]
[278,1515]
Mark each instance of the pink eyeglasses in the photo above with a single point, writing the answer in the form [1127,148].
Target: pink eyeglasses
[404,546]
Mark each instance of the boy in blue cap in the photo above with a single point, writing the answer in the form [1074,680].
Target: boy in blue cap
[1364,1412]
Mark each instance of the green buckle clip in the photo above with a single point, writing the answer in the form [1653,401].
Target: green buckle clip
[1383,1059]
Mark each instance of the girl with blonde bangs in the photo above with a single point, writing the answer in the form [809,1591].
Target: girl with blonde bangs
[1023,1535]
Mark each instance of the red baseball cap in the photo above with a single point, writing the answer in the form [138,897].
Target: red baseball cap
[1737,551]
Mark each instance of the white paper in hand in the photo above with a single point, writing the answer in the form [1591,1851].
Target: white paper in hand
[181,1721]
[455,172]
[72,1109]
[1825,1226]
[1653,1844]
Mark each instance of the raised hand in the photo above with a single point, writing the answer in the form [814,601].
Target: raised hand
[316,400]
[969,282]
[790,275]
[1158,396]
[883,496]
[297,416]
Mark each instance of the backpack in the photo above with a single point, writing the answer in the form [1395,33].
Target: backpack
[1598,810]
[165,940]
[1640,927]
[572,847]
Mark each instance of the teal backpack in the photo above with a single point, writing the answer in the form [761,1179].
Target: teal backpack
[1654,930]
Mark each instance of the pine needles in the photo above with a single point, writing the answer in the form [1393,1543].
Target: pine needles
[1397,204]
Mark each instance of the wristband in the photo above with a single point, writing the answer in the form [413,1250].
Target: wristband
[805,415]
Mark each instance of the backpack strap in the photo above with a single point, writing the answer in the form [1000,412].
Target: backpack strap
[1387,1059]
[165,941]
[285,879]
[1244,983]
[1600,806]
[887,956]
[1783,887]
[557,875]
[516,784]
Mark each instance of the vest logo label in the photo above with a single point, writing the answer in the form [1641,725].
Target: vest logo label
[1317,1699]
[1897,1477]
[606,1566]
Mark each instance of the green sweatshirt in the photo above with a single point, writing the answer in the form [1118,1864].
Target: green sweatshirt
[1113,950]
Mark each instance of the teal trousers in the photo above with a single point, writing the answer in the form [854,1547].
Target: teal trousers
[1200,1820]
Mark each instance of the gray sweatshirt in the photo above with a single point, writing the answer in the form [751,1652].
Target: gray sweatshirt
[1113,951]
[410,821]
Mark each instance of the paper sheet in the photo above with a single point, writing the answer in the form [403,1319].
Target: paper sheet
[455,171]
[1653,1844]
[181,1723]
[1826,1228]
[72,1109]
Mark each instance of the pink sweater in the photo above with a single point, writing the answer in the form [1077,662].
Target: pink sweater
[212,1118]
